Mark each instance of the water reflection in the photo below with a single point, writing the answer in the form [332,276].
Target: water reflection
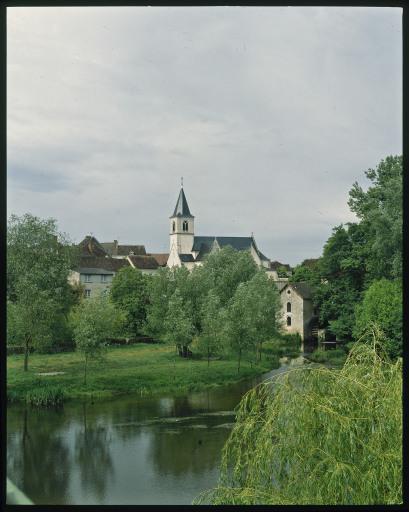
[130,450]
[38,458]
[92,455]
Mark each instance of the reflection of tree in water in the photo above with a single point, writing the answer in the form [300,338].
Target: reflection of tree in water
[38,459]
[93,456]
[186,450]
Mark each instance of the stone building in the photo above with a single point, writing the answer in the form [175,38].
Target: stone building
[298,314]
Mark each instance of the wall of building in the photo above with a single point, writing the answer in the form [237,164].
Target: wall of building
[296,314]
[182,239]
[96,285]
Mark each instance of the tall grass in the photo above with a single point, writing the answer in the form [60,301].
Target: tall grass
[45,396]
[319,436]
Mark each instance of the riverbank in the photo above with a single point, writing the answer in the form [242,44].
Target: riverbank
[143,369]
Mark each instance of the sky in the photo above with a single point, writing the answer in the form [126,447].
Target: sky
[269,113]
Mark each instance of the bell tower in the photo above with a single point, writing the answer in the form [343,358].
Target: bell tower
[181,231]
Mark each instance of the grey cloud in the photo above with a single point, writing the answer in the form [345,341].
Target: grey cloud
[270,114]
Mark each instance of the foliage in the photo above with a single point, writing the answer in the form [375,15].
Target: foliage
[226,269]
[210,338]
[94,321]
[380,211]
[45,396]
[319,436]
[382,304]
[129,293]
[39,259]
[160,289]
[178,323]
[251,316]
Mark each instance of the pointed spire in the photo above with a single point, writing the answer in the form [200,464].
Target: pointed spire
[182,208]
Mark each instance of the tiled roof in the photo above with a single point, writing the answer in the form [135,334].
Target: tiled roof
[113,249]
[104,263]
[161,258]
[91,247]
[144,262]
[138,250]
[181,208]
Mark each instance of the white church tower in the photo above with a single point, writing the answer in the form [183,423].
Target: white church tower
[181,226]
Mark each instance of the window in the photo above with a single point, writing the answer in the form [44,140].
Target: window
[288,320]
[185,225]
[288,292]
[87,294]
[87,278]
[173,226]
[104,278]
[288,307]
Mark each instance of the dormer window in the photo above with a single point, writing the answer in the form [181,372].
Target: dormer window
[185,225]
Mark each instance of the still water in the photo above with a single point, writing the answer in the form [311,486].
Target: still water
[128,450]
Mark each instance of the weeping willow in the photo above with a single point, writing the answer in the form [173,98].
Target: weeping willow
[318,436]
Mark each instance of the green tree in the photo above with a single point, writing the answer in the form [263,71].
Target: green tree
[239,327]
[212,327]
[315,436]
[224,270]
[379,209]
[382,305]
[94,322]
[264,308]
[39,261]
[31,318]
[160,289]
[129,292]
[178,324]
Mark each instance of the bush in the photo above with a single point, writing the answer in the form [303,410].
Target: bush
[382,304]
[319,437]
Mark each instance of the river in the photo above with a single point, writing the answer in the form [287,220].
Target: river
[124,451]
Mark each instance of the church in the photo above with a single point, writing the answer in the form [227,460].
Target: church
[99,262]
[187,249]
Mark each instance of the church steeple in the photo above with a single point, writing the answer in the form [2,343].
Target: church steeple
[181,208]
[181,226]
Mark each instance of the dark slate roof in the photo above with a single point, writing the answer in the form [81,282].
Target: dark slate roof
[104,263]
[240,243]
[161,258]
[186,258]
[113,249]
[144,262]
[182,208]
[302,289]
[91,247]
[280,284]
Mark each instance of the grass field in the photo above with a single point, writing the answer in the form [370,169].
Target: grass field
[143,369]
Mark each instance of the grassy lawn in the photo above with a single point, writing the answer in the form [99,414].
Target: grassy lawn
[141,368]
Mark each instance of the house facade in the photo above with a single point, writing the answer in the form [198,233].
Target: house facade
[297,310]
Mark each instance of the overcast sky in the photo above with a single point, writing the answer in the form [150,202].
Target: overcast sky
[270,114]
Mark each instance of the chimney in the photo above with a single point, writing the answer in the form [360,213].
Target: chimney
[115,251]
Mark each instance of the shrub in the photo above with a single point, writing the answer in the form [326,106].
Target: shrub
[319,436]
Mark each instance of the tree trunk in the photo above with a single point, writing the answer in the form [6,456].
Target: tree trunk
[85,370]
[26,349]
[259,350]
